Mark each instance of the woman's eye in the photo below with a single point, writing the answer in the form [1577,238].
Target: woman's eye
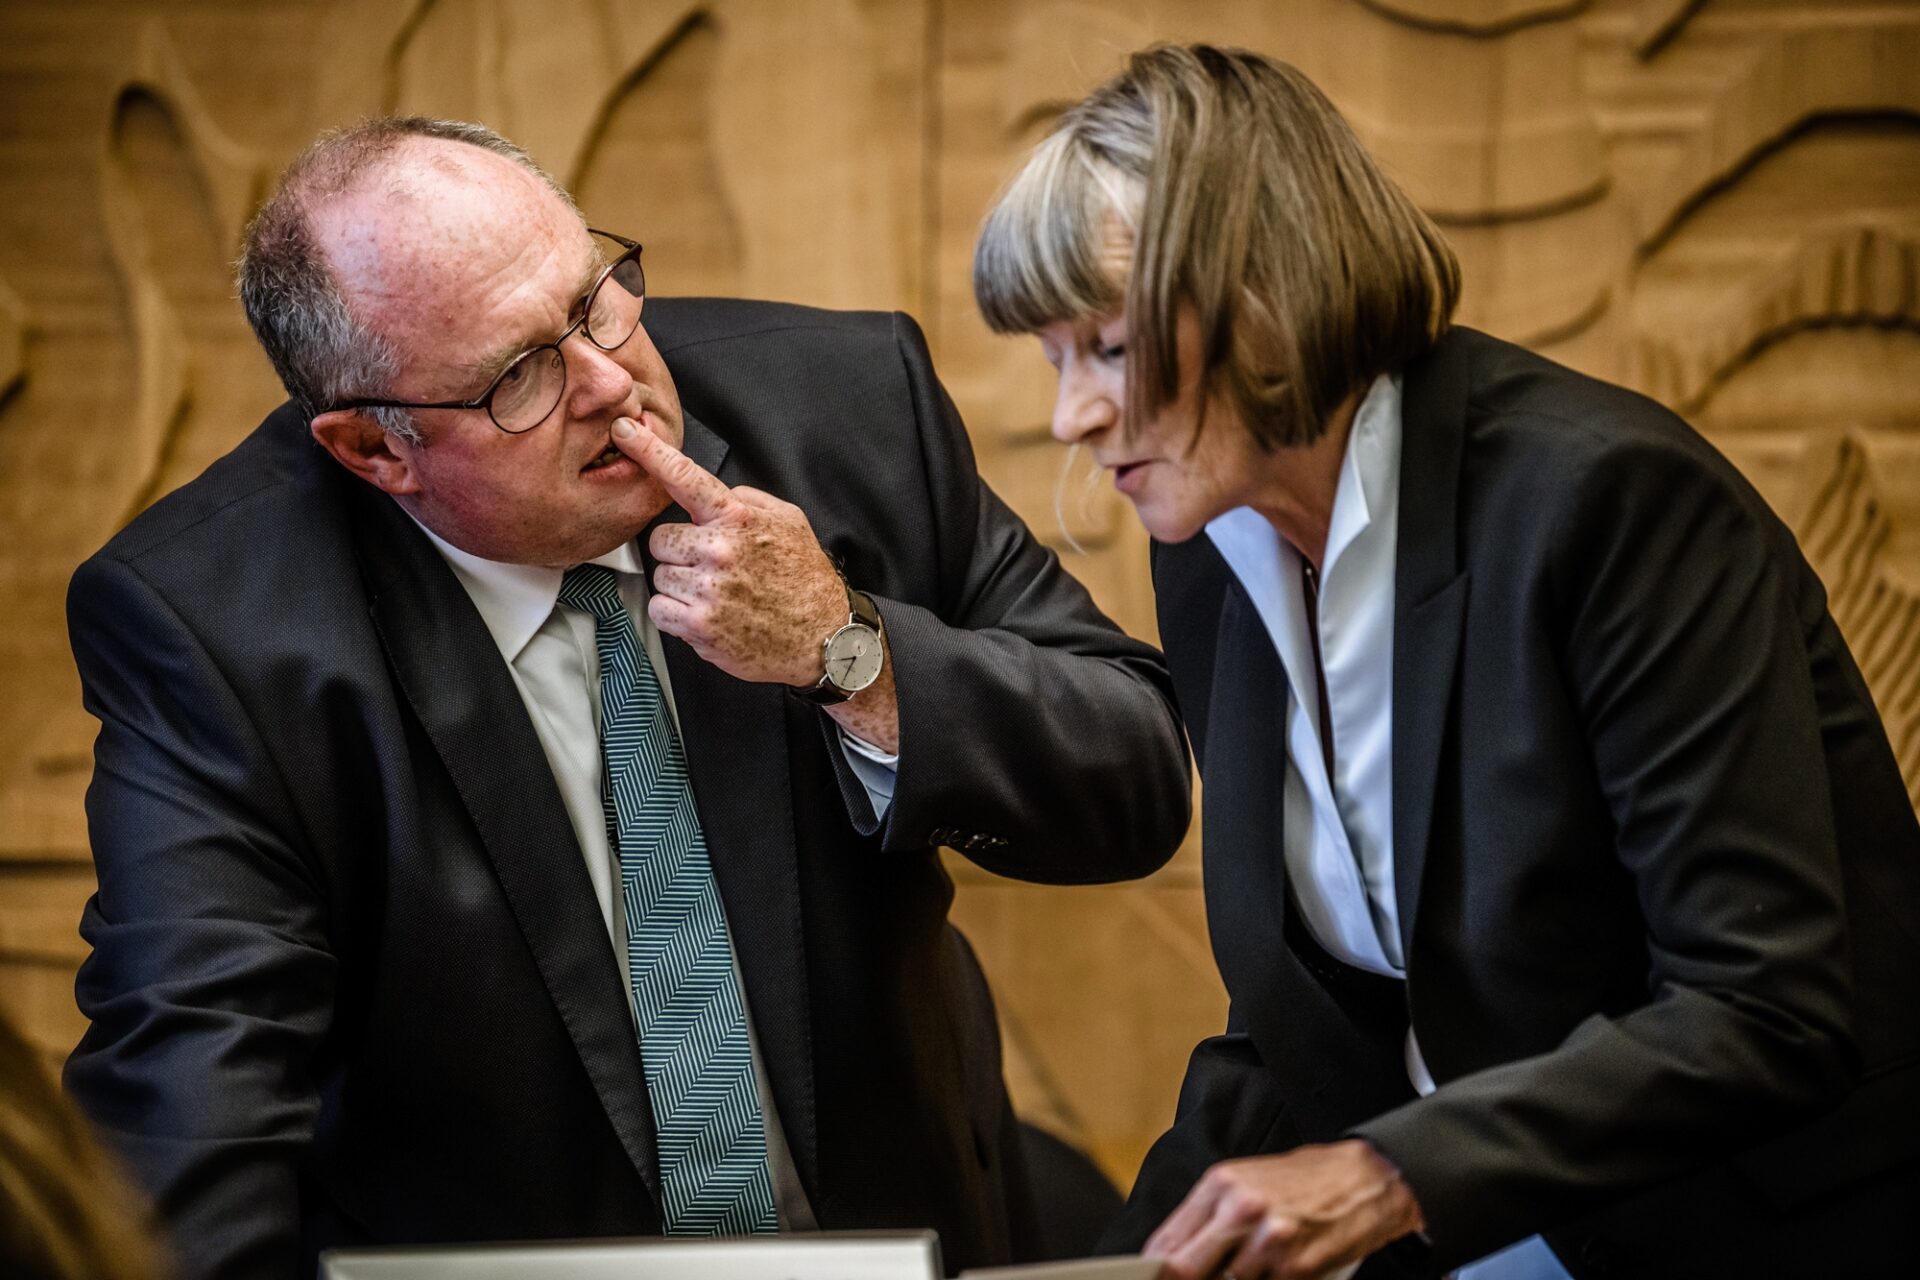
[1113,352]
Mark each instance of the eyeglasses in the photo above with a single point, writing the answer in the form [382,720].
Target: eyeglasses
[529,389]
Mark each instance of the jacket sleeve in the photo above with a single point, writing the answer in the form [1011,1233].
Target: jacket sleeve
[210,984]
[1685,660]
[1036,737]
[1231,1106]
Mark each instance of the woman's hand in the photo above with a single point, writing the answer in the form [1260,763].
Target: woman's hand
[1303,1213]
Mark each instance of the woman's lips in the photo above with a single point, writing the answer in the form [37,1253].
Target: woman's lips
[1129,476]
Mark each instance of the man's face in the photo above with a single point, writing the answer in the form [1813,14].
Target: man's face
[461,262]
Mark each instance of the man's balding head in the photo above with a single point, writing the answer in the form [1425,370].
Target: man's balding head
[323,349]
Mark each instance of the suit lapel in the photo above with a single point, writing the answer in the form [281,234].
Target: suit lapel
[445,661]
[1242,810]
[1429,608]
[1345,1077]
[735,734]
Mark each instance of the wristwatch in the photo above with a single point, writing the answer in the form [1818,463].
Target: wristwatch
[854,654]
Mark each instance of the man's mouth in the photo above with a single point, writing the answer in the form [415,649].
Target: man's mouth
[606,456]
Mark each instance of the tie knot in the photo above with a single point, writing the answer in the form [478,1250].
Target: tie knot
[592,588]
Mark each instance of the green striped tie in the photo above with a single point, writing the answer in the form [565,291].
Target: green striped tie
[687,1000]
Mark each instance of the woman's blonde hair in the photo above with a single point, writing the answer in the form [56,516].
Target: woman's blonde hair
[1247,198]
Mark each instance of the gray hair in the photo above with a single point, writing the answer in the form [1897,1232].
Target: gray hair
[323,352]
[1247,199]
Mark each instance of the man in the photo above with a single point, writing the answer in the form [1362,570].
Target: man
[388,712]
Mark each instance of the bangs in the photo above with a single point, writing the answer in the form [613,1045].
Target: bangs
[1044,250]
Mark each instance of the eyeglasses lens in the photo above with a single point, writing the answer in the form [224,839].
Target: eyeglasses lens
[530,389]
[615,311]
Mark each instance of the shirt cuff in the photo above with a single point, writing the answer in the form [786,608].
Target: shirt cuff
[875,769]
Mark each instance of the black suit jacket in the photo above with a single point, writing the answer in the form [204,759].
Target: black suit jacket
[1658,878]
[349,982]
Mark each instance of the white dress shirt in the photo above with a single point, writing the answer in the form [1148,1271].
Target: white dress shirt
[551,653]
[1337,832]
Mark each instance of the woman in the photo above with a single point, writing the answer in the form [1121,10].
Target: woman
[1557,864]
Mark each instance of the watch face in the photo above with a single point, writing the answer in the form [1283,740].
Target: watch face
[854,655]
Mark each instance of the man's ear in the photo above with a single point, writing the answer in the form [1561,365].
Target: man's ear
[359,444]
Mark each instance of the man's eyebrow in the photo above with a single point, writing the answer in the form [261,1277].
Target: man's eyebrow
[480,373]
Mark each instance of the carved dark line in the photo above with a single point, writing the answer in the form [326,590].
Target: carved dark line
[163,458]
[397,52]
[1904,689]
[1881,606]
[1813,531]
[1574,325]
[50,863]
[1762,149]
[1591,194]
[163,100]
[1476,30]
[16,323]
[1750,351]
[610,101]
[1863,549]
[1665,25]
[1902,635]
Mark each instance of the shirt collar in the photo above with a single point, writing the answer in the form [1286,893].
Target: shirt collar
[1369,479]
[1369,470]
[515,600]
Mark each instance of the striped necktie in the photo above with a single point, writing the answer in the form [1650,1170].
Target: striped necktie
[686,996]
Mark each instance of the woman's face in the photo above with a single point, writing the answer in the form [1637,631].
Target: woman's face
[1176,483]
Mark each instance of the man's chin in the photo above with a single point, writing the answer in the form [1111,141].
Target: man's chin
[630,523]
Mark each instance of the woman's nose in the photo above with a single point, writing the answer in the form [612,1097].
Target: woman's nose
[1084,406]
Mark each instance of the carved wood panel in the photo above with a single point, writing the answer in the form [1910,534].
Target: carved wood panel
[1712,200]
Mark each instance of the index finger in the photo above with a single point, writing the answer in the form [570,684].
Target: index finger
[700,493]
[1184,1222]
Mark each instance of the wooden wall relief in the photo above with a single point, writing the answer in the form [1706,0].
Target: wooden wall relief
[651,163]
[39,947]
[1475,17]
[1857,273]
[1771,165]
[1658,21]
[357,45]
[1477,107]
[1769,85]
[661,114]
[541,73]
[13,341]
[1874,592]
[175,192]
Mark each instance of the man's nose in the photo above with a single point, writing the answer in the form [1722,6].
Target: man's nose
[596,380]
[1084,405]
